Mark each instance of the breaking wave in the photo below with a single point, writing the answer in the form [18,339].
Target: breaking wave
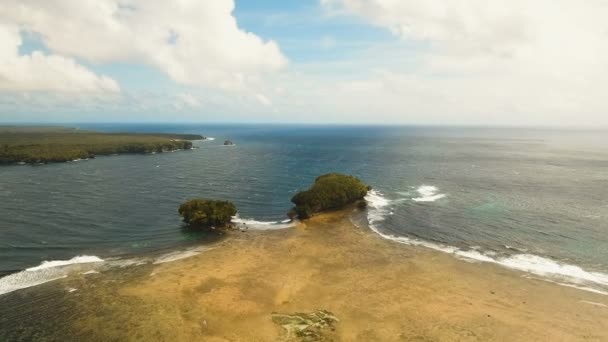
[47,271]
[379,208]
[261,225]
[428,193]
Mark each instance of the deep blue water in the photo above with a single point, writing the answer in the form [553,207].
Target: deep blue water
[501,193]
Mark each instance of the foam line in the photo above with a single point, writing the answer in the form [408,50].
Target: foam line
[379,208]
[261,225]
[43,273]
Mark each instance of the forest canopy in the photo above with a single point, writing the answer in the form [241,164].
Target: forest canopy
[33,145]
[206,213]
[329,192]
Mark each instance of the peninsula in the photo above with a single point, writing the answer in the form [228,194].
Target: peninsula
[41,145]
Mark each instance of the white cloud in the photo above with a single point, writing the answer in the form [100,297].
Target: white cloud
[518,61]
[476,61]
[194,42]
[44,72]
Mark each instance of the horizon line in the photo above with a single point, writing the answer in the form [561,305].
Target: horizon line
[318,124]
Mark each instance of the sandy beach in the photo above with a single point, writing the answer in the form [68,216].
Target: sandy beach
[377,289]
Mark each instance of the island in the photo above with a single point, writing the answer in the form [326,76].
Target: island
[331,191]
[199,213]
[41,145]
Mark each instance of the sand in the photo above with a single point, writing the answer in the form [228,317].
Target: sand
[379,290]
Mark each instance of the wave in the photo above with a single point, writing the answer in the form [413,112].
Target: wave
[261,225]
[45,272]
[428,193]
[83,259]
[379,208]
[210,138]
[48,271]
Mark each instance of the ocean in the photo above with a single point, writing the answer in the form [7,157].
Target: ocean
[528,199]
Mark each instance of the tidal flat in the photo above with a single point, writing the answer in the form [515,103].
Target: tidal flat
[376,289]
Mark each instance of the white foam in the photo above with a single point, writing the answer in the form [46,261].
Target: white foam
[173,256]
[210,138]
[428,193]
[83,259]
[578,287]
[543,266]
[594,303]
[43,273]
[379,208]
[122,263]
[261,225]
[584,288]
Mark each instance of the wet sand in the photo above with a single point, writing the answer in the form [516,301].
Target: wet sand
[379,290]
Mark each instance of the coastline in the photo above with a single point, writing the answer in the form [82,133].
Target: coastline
[379,290]
[43,145]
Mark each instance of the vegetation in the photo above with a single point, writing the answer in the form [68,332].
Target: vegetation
[205,213]
[329,192]
[59,144]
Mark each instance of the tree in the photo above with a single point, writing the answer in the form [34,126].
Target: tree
[206,213]
[329,192]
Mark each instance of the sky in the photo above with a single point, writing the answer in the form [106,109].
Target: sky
[475,62]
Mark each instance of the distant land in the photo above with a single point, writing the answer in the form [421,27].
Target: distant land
[41,144]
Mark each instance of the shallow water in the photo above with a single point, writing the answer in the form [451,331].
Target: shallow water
[488,193]
[230,291]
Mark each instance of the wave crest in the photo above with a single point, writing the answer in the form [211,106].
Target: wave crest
[428,193]
[45,272]
[261,225]
[379,208]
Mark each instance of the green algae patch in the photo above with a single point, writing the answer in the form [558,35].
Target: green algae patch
[312,326]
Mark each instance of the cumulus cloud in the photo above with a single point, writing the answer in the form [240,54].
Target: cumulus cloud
[44,72]
[194,42]
[541,60]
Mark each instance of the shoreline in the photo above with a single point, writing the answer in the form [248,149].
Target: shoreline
[545,267]
[45,145]
[379,290]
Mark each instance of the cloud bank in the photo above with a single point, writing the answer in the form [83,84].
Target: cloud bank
[193,42]
[44,72]
[518,62]
[490,60]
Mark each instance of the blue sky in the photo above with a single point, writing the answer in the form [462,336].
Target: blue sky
[313,61]
[302,27]
[303,30]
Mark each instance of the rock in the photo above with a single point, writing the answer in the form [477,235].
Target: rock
[361,204]
[228,143]
[306,326]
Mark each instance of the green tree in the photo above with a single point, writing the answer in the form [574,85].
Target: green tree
[205,213]
[329,192]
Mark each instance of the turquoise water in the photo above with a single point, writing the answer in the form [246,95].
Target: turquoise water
[525,198]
